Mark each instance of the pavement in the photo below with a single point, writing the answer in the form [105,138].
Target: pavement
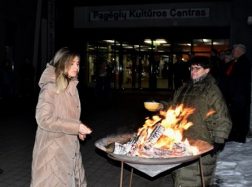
[121,112]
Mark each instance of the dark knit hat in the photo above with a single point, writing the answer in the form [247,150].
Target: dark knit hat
[202,61]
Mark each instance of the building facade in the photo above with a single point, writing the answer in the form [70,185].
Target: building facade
[141,44]
[138,42]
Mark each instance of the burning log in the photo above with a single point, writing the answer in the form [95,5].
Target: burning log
[122,149]
[154,136]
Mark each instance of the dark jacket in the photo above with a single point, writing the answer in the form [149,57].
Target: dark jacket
[205,97]
[239,82]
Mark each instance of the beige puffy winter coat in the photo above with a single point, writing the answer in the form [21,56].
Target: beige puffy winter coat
[57,159]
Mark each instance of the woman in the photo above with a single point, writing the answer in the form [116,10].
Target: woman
[211,120]
[57,159]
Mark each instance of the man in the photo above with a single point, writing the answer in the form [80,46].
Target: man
[239,93]
[211,121]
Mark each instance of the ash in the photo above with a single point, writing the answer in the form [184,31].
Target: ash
[148,150]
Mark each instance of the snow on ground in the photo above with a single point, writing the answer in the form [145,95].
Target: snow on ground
[234,166]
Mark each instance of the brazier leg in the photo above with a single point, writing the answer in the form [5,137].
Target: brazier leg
[121,177]
[201,172]
[131,175]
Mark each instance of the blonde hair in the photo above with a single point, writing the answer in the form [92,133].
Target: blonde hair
[62,62]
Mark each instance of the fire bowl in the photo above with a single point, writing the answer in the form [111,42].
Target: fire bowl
[103,144]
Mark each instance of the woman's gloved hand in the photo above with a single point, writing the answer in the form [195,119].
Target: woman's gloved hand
[217,147]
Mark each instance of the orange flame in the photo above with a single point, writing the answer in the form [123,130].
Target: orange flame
[210,112]
[174,121]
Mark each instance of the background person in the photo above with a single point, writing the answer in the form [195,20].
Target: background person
[216,64]
[226,59]
[180,72]
[238,85]
[57,159]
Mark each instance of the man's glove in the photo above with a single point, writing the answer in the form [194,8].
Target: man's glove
[217,147]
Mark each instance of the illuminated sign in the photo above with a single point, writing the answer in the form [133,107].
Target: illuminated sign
[140,14]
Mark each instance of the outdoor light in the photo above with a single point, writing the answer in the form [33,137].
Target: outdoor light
[249,20]
[110,41]
[155,42]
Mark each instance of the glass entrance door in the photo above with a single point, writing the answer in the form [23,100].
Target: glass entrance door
[148,64]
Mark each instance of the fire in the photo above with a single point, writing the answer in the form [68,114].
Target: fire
[174,121]
[161,136]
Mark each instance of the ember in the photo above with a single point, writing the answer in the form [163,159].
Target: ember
[161,136]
